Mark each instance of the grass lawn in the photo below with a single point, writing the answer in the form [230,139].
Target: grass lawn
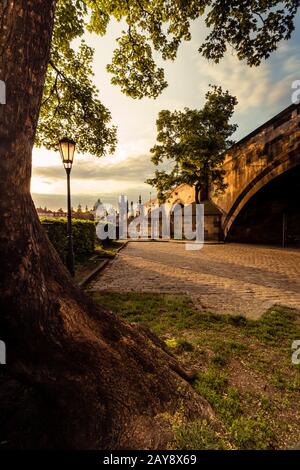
[244,369]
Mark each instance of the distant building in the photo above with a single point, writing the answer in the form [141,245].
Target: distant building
[101,213]
[60,213]
[44,212]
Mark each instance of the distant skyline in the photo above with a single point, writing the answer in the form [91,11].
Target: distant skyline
[262,92]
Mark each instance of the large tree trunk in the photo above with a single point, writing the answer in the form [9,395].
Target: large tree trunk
[76,376]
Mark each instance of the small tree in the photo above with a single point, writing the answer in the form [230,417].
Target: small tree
[196,142]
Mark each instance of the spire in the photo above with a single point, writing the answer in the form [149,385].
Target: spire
[98,203]
[131,212]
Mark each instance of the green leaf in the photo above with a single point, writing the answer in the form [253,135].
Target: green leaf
[195,141]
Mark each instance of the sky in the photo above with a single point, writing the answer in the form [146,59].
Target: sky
[262,93]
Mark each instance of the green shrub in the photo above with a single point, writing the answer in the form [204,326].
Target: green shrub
[213,386]
[197,435]
[252,433]
[84,236]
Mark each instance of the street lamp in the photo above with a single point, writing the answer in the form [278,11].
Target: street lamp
[67,150]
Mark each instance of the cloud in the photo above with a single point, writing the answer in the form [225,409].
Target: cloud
[132,169]
[248,84]
[262,91]
[56,201]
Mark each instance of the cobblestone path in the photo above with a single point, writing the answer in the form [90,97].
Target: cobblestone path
[229,278]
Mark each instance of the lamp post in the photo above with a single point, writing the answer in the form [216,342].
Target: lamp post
[67,150]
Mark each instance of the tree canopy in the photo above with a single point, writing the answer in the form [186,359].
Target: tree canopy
[194,142]
[71,105]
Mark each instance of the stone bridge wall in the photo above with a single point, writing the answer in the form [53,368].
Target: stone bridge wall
[266,153]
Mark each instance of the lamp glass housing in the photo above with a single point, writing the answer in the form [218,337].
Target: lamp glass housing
[67,150]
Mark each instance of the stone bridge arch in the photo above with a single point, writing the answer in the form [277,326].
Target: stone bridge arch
[267,153]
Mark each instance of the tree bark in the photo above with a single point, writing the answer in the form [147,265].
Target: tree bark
[76,376]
